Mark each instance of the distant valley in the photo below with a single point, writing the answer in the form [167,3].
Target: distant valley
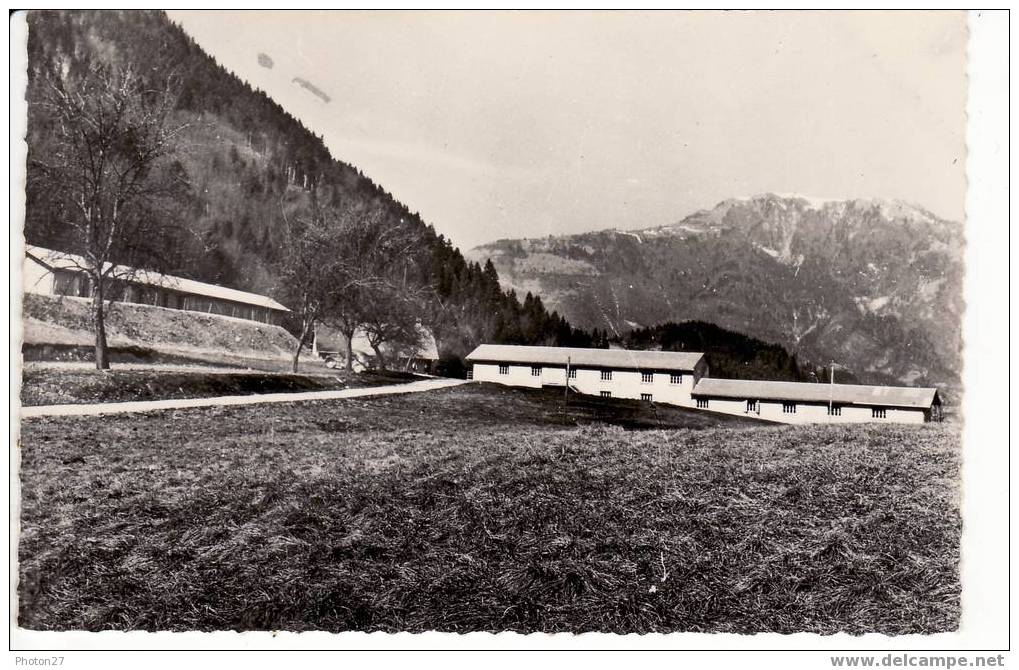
[874,284]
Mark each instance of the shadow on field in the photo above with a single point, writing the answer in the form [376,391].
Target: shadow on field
[551,407]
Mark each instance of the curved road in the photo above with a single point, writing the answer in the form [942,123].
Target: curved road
[184,403]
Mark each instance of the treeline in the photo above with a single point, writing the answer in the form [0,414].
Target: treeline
[245,164]
[730,354]
[471,308]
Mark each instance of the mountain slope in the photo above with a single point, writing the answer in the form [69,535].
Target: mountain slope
[243,156]
[874,284]
[242,153]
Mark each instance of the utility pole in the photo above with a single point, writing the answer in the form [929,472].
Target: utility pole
[566,392]
[831,387]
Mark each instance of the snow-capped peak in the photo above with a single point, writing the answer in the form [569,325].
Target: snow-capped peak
[813,202]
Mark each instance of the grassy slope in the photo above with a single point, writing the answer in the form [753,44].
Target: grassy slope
[57,386]
[468,510]
[64,322]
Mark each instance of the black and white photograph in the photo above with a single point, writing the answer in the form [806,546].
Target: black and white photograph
[539,323]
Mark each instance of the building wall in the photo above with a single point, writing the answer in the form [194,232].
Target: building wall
[35,278]
[629,384]
[624,383]
[199,303]
[39,279]
[812,412]
[518,375]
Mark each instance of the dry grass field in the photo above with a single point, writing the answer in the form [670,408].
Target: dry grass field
[480,508]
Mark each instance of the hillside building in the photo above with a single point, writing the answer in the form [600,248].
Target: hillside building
[681,378]
[656,376]
[57,273]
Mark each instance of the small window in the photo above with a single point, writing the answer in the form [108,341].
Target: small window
[66,283]
[647,377]
[606,394]
[675,378]
[645,396]
[751,405]
[702,403]
[535,370]
[834,410]
[573,373]
[504,369]
[789,408]
[470,374]
[877,412]
[606,375]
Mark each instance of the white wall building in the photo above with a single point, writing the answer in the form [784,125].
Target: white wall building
[681,378]
[795,402]
[657,376]
[57,273]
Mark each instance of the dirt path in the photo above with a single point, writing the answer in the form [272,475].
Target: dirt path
[87,366]
[149,405]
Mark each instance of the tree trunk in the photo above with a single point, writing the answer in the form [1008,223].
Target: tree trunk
[380,363]
[350,350]
[305,328]
[99,326]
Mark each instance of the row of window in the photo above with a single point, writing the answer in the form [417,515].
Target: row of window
[702,403]
[647,397]
[606,375]
[78,285]
[790,408]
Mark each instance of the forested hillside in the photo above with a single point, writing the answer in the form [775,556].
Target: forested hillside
[245,160]
[730,355]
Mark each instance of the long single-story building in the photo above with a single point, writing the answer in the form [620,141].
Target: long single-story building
[681,378]
[657,376]
[797,402]
[57,273]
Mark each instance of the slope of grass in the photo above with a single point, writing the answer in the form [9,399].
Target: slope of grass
[461,511]
[61,325]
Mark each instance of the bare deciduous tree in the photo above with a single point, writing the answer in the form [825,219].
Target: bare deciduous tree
[336,260]
[391,323]
[111,180]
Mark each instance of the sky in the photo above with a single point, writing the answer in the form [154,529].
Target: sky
[522,124]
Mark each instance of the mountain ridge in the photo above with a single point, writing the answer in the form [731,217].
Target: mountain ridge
[871,281]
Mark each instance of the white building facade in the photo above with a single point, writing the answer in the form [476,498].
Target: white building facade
[681,378]
[795,402]
[52,272]
[654,376]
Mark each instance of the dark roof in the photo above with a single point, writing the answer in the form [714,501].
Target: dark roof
[605,358]
[843,394]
